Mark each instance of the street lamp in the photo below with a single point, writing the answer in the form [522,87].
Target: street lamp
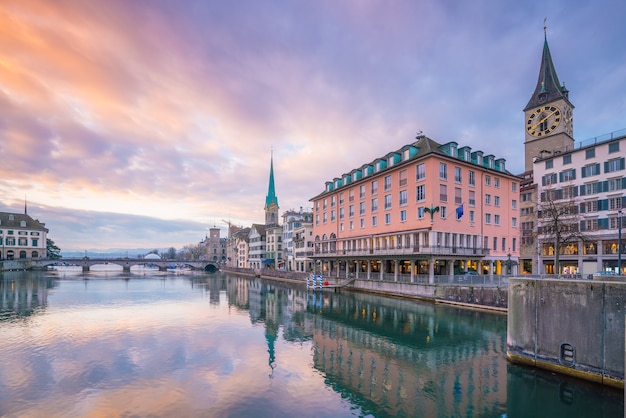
[619,241]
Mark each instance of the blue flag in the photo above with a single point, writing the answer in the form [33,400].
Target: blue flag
[459,211]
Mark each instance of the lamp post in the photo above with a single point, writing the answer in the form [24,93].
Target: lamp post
[619,241]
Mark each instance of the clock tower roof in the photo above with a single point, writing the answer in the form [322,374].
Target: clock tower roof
[548,86]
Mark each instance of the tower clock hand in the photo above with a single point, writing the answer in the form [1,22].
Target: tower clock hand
[543,120]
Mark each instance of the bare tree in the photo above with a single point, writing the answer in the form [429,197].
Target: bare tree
[558,221]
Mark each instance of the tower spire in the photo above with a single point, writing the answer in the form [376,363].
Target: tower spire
[25,208]
[271,201]
[548,87]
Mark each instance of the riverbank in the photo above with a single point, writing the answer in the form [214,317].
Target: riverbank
[492,298]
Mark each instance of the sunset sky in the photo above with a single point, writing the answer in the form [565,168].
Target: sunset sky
[143,123]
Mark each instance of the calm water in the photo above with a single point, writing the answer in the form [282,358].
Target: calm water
[133,345]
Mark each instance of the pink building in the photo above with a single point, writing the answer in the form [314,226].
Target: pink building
[426,209]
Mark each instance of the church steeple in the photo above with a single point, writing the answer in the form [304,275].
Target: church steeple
[548,87]
[548,116]
[271,201]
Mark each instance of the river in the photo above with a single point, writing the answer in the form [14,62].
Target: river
[114,344]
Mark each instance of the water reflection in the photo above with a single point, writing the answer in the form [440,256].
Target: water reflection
[230,346]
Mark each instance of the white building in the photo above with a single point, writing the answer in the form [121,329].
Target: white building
[291,221]
[256,246]
[22,236]
[592,176]
[303,245]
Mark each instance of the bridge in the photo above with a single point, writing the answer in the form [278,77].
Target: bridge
[126,263]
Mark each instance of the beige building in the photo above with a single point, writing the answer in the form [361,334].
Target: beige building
[22,236]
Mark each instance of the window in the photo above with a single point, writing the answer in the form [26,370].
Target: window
[496,201]
[374,186]
[496,219]
[362,191]
[374,221]
[495,243]
[362,208]
[420,193]
[458,195]
[485,242]
[341,213]
[387,218]
[471,216]
[442,210]
[514,204]
[488,180]
[325,204]
[351,211]
[487,199]
[567,175]
[374,205]
[458,178]
[387,183]
[443,193]
[488,218]
[613,147]
[387,201]
[443,171]
[615,203]
[325,217]
[590,170]
[514,244]
[317,219]
[351,195]
[614,165]
[590,153]
[341,198]
[402,178]
[513,186]
[362,223]
[332,201]
[472,178]
[549,164]
[403,198]
[526,197]
[420,172]
[351,225]
[514,222]
[332,216]
[614,184]
[420,212]
[472,198]
[567,159]
[548,179]
[503,244]
[403,216]
[496,182]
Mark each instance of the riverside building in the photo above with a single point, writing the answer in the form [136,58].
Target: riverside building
[22,236]
[426,209]
[581,183]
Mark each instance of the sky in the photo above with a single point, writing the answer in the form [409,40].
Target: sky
[142,124]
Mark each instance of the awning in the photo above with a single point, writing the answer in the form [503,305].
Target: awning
[268,261]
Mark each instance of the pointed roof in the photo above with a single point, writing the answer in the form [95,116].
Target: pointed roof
[271,192]
[548,87]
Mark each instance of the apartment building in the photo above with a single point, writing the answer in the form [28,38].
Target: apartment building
[426,209]
[293,220]
[590,180]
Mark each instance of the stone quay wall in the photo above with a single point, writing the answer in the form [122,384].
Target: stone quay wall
[572,327]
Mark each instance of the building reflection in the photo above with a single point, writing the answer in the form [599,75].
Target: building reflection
[406,357]
[23,294]
[398,357]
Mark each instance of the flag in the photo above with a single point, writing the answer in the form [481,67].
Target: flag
[459,211]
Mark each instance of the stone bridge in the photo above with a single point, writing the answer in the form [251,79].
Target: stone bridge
[126,263]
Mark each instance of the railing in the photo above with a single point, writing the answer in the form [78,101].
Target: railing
[426,250]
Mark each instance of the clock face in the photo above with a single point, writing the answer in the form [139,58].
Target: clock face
[543,120]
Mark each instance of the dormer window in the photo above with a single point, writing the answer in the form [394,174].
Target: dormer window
[11,217]
[23,224]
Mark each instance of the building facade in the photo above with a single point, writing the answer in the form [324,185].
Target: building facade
[303,245]
[589,184]
[292,220]
[22,236]
[426,209]
[256,246]
[581,184]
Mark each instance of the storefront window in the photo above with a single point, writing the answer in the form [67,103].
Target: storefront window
[590,248]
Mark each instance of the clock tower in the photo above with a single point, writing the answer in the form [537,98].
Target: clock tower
[548,116]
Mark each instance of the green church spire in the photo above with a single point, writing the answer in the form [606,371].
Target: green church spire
[271,201]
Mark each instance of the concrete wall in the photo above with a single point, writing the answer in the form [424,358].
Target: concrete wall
[571,327]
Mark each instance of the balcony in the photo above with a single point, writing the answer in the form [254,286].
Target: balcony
[403,251]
